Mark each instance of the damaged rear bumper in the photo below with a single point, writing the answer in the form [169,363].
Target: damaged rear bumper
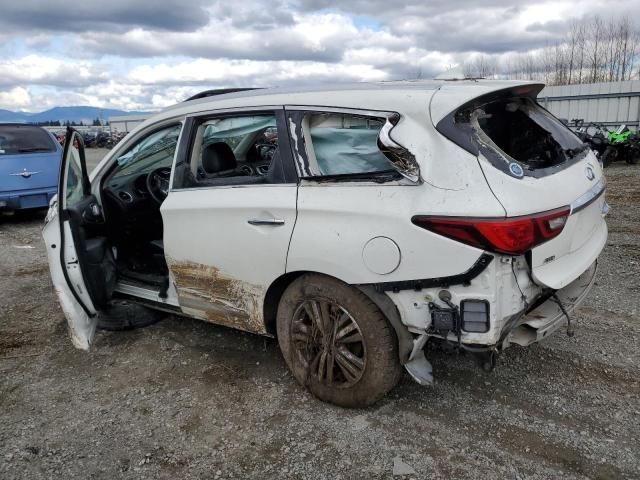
[520,312]
[538,323]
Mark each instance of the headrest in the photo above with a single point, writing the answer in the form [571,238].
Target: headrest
[218,157]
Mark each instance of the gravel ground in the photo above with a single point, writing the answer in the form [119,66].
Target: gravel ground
[186,399]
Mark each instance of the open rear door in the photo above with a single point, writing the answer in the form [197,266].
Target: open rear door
[81,262]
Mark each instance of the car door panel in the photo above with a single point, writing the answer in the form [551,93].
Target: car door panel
[222,265]
[226,244]
[82,324]
[91,256]
[81,262]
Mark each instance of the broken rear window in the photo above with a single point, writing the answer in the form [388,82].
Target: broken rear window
[522,130]
[512,131]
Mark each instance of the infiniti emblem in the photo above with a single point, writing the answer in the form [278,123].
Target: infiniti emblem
[516,170]
[589,173]
[24,173]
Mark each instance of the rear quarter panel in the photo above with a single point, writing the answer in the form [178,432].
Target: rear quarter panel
[336,220]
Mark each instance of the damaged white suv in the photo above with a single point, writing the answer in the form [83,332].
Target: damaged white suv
[355,223]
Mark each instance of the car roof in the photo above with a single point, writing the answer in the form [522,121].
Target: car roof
[402,95]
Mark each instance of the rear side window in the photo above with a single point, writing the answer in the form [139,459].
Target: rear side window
[17,139]
[342,144]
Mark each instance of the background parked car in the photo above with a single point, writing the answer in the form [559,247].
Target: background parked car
[29,164]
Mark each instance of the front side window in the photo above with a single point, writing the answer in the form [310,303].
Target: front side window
[73,179]
[233,150]
[154,151]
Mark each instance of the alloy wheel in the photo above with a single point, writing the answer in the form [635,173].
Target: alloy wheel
[329,343]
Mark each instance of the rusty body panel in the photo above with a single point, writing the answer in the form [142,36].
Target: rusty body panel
[207,293]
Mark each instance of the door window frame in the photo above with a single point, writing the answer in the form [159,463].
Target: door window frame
[188,136]
[64,218]
[63,178]
[397,154]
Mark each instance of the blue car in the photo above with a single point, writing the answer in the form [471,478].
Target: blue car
[29,164]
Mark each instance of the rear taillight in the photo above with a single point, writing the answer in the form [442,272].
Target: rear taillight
[513,236]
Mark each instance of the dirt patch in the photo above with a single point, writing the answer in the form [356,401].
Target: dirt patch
[218,298]
[14,341]
[33,270]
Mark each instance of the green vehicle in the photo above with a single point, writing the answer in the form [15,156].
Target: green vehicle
[623,145]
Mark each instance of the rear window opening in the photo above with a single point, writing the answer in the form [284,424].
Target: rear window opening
[514,133]
[521,130]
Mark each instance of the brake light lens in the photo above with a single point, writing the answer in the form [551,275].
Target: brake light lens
[513,236]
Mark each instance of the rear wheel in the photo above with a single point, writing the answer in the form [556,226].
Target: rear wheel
[337,342]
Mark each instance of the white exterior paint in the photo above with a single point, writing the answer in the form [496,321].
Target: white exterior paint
[210,227]
[381,255]
[82,327]
[326,227]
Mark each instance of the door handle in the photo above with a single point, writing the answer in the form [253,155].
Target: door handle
[266,221]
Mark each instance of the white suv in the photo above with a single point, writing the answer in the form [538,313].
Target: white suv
[355,223]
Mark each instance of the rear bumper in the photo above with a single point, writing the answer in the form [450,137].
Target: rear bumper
[520,311]
[27,199]
[537,324]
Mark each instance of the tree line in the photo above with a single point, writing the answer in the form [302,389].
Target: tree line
[97,122]
[593,50]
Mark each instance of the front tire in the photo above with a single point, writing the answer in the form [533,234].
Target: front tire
[121,315]
[337,342]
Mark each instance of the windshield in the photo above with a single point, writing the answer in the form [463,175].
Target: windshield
[152,152]
[17,139]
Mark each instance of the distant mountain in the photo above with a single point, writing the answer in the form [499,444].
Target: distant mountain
[83,114]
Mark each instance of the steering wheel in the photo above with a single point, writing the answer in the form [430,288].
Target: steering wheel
[158,183]
[266,150]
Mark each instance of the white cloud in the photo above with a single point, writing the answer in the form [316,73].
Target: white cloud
[38,69]
[16,98]
[251,73]
[151,53]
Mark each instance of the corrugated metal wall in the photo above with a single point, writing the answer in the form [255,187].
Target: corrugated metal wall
[610,103]
[126,123]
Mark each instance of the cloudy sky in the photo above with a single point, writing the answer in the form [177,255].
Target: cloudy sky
[147,54]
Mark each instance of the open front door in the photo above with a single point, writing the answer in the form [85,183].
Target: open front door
[82,266]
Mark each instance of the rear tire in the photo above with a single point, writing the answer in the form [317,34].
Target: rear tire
[122,315]
[337,342]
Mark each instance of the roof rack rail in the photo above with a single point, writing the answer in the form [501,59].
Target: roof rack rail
[218,91]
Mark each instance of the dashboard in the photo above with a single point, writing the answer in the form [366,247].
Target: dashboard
[130,192]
